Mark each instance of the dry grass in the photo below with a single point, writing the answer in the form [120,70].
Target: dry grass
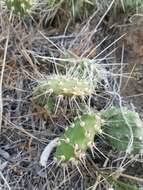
[30,50]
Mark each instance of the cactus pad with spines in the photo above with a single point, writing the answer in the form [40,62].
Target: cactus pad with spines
[78,138]
[131,4]
[64,85]
[19,6]
[118,126]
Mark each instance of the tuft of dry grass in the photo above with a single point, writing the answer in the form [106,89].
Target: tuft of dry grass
[30,49]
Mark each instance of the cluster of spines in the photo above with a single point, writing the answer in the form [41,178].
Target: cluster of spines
[78,138]
[21,7]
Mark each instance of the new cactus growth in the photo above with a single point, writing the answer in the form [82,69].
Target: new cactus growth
[19,6]
[62,85]
[120,126]
[72,145]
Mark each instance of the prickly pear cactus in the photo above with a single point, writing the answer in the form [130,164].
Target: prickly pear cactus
[51,3]
[69,3]
[19,6]
[131,3]
[73,7]
[118,126]
[78,138]
[64,86]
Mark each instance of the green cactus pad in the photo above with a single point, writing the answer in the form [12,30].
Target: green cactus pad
[117,128]
[49,106]
[19,6]
[64,85]
[131,4]
[78,138]
[51,3]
